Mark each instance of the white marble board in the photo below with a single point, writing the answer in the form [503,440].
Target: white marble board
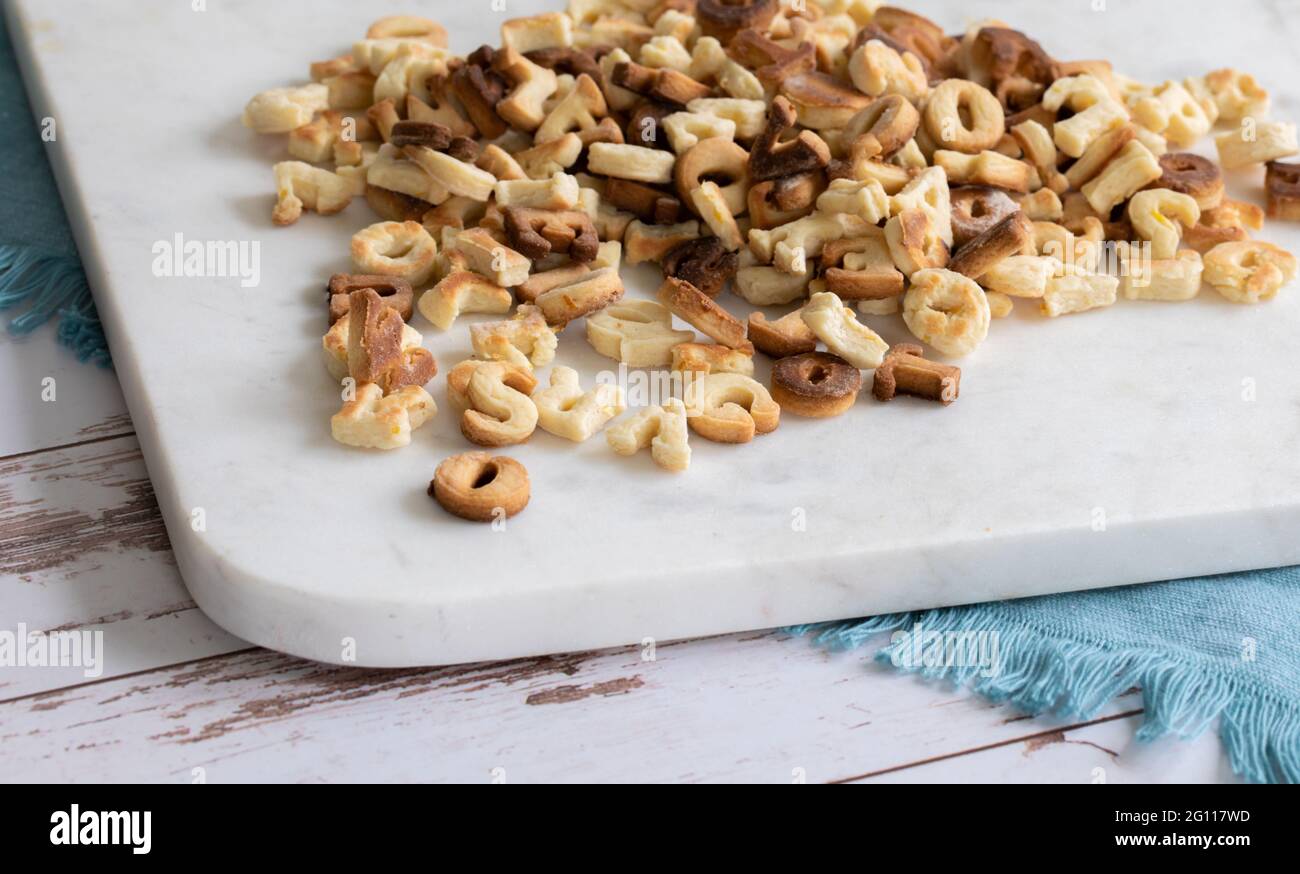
[1138,413]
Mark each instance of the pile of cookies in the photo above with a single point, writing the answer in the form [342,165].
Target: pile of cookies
[840,158]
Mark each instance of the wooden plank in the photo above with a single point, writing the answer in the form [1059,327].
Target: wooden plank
[753,708]
[82,546]
[86,402]
[1102,752]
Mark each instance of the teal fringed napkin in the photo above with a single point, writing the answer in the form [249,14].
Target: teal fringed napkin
[40,274]
[1225,647]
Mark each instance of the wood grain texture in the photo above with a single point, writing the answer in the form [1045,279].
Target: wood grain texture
[756,708]
[82,546]
[36,535]
[1105,751]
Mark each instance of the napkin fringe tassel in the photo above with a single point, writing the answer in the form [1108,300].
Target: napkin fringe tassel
[1041,673]
[52,286]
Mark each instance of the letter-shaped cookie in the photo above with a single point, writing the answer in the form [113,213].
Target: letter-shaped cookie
[565,410]
[372,421]
[730,408]
[838,327]
[638,333]
[525,341]
[663,429]
[500,413]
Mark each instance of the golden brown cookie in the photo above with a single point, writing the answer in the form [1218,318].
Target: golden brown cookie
[1199,178]
[976,208]
[724,20]
[905,371]
[815,385]
[697,309]
[772,158]
[705,264]
[1008,237]
[481,487]
[393,290]
[788,335]
[1283,185]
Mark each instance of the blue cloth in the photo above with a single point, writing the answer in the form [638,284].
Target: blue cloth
[1224,647]
[41,278]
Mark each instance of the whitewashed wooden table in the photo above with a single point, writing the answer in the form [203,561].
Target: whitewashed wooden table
[82,547]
